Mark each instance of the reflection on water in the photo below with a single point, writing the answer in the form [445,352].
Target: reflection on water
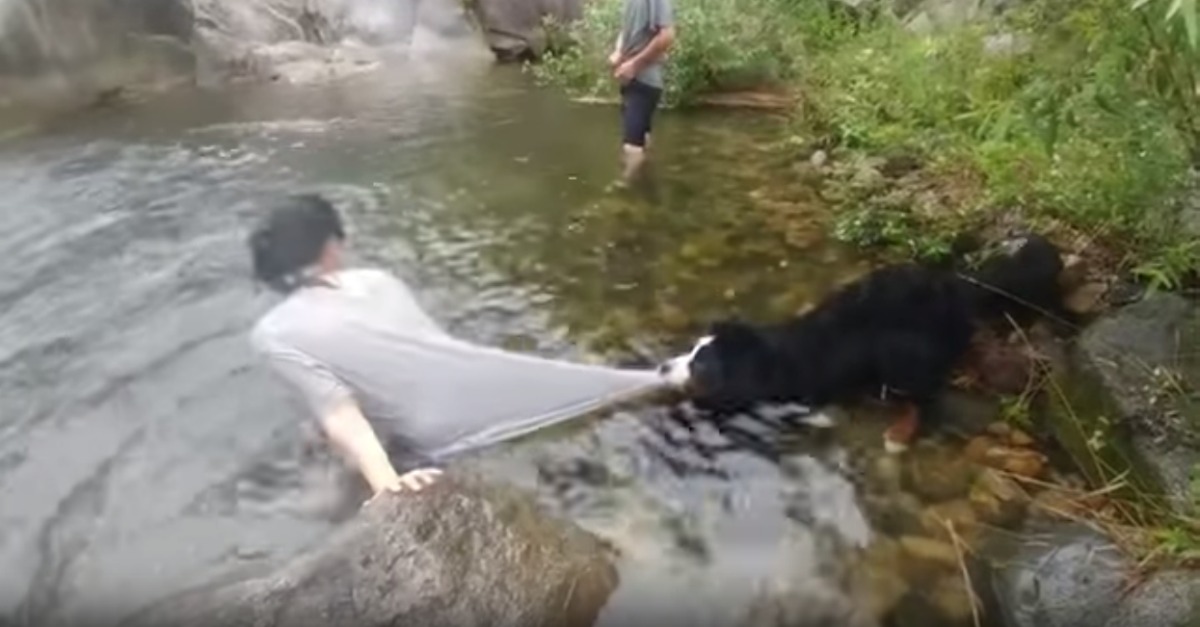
[142,450]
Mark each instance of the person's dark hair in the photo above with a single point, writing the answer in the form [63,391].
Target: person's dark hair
[291,238]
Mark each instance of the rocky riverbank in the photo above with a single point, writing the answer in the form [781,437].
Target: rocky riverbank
[1122,552]
[68,53]
[459,553]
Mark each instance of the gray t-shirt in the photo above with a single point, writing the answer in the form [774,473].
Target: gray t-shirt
[367,339]
[641,21]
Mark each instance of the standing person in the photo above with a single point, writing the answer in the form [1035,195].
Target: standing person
[647,33]
[378,373]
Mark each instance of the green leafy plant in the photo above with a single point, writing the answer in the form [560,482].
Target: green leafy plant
[1080,112]
[883,228]
[723,45]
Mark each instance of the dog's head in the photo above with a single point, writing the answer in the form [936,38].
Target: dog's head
[731,366]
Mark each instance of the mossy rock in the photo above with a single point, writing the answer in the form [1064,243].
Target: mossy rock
[1124,408]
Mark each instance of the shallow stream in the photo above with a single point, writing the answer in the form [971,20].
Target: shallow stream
[142,450]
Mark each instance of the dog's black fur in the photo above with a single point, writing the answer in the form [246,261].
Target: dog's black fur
[897,333]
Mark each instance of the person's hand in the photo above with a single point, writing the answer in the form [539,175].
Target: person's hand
[626,71]
[614,59]
[412,481]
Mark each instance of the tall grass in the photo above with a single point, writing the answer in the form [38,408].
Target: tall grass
[1083,111]
[729,45]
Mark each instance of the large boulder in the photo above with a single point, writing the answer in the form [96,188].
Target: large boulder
[1134,380]
[273,39]
[457,554]
[1066,575]
[41,35]
[515,29]
[56,49]
[59,49]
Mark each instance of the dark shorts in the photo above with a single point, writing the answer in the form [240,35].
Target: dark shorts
[638,104]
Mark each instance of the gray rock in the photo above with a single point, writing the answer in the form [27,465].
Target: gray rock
[925,16]
[1133,354]
[1189,219]
[37,36]
[1007,44]
[60,50]
[1066,575]
[299,62]
[515,30]
[457,554]
[63,50]
[814,585]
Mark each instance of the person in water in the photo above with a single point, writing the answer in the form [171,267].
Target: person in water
[378,373]
[637,60]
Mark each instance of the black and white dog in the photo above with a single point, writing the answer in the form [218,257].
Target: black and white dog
[896,334]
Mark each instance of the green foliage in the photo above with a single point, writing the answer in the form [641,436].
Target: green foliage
[1167,269]
[872,227]
[1084,111]
[1055,108]
[723,45]
[1016,411]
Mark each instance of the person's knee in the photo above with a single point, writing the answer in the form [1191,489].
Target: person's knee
[637,111]
[634,132]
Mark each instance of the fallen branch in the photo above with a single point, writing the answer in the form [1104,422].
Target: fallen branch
[763,101]
[966,575]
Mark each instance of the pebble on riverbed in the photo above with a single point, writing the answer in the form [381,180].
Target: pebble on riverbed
[938,520]
[939,473]
[936,505]
[998,500]
[993,453]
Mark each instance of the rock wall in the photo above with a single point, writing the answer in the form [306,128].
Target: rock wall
[59,49]
[928,15]
[458,554]
[514,29]
[1129,408]
[1138,370]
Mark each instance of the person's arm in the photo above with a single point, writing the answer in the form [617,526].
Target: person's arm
[353,436]
[615,57]
[340,418]
[658,46]
[662,19]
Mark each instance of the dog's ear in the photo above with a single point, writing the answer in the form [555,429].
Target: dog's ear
[734,331]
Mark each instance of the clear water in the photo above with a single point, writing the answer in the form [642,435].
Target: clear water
[143,451]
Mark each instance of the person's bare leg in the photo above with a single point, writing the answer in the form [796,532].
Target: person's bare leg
[634,157]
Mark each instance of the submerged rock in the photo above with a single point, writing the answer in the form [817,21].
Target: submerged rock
[993,453]
[939,473]
[457,554]
[998,499]
[798,596]
[1067,575]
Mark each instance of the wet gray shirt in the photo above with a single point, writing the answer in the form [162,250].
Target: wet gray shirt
[641,21]
[367,339]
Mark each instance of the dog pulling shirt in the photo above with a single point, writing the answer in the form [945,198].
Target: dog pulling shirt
[364,337]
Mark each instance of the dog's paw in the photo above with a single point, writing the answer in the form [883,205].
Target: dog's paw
[893,447]
[820,420]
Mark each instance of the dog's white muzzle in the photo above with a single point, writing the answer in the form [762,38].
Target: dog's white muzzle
[677,372]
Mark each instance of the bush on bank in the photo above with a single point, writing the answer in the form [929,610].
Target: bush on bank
[1081,111]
